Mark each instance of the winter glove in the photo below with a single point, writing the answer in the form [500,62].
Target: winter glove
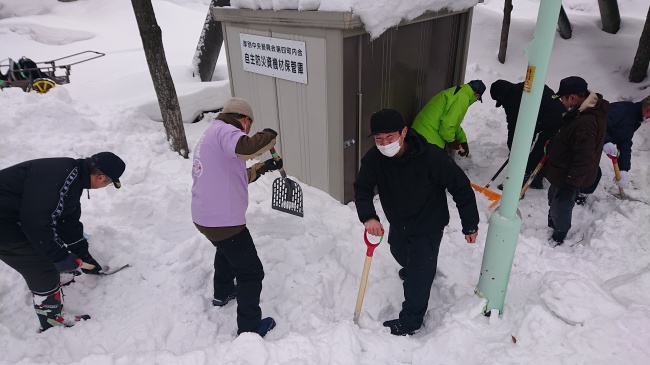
[95,271]
[81,250]
[623,181]
[69,263]
[464,150]
[610,149]
[272,164]
[274,133]
[453,145]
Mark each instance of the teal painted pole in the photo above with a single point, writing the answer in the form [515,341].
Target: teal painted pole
[505,223]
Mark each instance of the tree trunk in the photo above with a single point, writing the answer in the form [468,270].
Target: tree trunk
[505,30]
[564,24]
[162,80]
[609,15]
[639,69]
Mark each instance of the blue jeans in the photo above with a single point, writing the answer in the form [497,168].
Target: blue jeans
[561,202]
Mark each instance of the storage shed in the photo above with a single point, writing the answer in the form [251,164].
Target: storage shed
[316,77]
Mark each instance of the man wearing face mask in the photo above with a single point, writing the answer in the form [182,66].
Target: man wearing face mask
[412,177]
[574,152]
[623,119]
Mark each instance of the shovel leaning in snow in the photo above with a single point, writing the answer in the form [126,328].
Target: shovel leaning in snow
[287,194]
[529,181]
[366,269]
[491,195]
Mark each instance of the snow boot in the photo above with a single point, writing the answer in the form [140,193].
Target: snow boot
[558,237]
[402,273]
[221,302]
[581,199]
[397,328]
[49,309]
[265,326]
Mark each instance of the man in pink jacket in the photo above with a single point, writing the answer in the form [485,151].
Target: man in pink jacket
[219,203]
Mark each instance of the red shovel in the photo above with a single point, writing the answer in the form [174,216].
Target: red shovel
[366,269]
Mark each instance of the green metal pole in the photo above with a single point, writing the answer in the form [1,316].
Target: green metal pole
[505,223]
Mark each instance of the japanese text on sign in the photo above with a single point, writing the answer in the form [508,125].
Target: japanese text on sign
[276,57]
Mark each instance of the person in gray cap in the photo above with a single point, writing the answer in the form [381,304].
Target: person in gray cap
[439,121]
[574,152]
[412,178]
[219,203]
[41,235]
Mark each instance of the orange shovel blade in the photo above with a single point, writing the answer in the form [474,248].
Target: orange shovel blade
[491,195]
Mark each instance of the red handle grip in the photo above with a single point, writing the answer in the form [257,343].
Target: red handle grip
[371,246]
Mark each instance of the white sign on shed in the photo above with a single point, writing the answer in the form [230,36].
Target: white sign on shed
[282,58]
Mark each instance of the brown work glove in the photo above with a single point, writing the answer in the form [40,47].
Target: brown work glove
[453,145]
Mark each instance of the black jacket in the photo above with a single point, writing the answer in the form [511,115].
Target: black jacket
[623,119]
[412,188]
[549,118]
[44,197]
[574,153]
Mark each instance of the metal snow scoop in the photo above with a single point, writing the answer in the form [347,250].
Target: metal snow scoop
[106,271]
[366,269]
[287,194]
[491,195]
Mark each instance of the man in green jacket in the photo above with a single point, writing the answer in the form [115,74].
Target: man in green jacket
[439,121]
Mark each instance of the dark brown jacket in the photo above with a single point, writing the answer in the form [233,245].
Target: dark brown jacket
[574,153]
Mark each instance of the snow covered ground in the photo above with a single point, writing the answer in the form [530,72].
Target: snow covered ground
[586,302]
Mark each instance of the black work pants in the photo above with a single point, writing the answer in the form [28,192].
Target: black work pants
[38,271]
[419,256]
[236,257]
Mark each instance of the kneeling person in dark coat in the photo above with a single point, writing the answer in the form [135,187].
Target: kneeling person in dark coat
[40,232]
[412,177]
[549,120]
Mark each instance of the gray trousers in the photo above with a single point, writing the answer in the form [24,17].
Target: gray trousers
[560,207]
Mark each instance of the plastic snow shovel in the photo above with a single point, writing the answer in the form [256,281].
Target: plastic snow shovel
[366,269]
[491,195]
[287,194]
[529,181]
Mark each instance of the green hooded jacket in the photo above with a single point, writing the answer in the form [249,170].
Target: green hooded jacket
[439,121]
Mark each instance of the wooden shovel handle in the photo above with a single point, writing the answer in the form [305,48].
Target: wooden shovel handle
[362,288]
[617,173]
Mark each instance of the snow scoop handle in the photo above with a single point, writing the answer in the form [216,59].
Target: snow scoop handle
[366,270]
[87,266]
[497,174]
[617,173]
[371,246]
[275,156]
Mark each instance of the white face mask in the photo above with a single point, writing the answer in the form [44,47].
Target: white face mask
[390,149]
